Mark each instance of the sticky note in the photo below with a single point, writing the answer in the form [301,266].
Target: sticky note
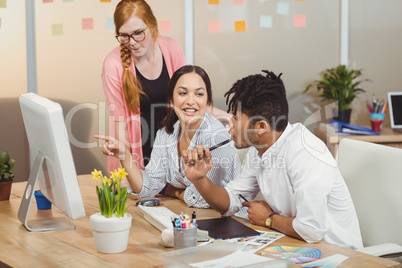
[299,20]
[57,29]
[3,3]
[109,24]
[282,8]
[106,0]
[47,1]
[213,2]
[67,1]
[0,23]
[240,26]
[165,26]
[238,2]
[265,21]
[214,26]
[87,24]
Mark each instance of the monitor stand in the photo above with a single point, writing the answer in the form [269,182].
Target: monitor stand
[41,225]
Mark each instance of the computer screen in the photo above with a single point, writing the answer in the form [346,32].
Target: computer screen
[395,109]
[52,164]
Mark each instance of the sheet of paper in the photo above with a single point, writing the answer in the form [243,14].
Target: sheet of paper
[236,259]
[251,244]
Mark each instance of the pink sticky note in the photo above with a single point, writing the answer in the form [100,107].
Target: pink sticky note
[299,20]
[165,26]
[47,1]
[214,26]
[240,26]
[238,2]
[87,24]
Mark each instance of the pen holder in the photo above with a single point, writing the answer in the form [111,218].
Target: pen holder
[376,120]
[185,237]
[41,201]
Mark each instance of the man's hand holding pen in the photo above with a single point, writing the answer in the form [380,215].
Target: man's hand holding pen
[196,162]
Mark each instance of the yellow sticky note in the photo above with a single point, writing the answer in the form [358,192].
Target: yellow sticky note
[238,2]
[165,26]
[240,26]
[57,29]
[213,2]
[214,26]
[106,0]
[3,3]
[299,20]
[87,24]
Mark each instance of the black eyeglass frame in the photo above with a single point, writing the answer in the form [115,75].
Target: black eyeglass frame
[132,36]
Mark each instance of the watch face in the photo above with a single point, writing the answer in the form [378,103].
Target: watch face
[268,221]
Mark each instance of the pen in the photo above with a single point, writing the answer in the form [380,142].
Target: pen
[242,197]
[218,145]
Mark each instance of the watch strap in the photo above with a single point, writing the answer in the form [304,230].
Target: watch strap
[270,217]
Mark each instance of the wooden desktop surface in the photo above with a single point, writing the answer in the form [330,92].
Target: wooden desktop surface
[76,248]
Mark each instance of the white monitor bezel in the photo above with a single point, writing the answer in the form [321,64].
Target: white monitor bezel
[391,112]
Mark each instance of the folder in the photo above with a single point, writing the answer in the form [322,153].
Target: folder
[225,227]
[351,129]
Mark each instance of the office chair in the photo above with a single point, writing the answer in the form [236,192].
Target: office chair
[373,174]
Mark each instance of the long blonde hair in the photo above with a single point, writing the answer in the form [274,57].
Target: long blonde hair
[124,10]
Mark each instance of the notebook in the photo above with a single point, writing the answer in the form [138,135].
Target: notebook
[225,227]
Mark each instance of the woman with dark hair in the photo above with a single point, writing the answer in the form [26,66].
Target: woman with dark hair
[187,125]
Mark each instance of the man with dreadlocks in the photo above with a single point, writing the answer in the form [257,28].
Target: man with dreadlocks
[304,193]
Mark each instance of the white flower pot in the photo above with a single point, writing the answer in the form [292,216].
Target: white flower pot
[111,234]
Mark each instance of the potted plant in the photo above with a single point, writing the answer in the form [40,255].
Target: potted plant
[6,176]
[111,226]
[339,84]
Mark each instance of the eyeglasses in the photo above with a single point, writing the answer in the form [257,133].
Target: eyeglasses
[136,36]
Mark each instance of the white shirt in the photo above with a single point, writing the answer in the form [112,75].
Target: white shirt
[298,177]
[163,166]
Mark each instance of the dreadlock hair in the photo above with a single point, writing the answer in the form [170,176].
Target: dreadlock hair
[124,10]
[260,98]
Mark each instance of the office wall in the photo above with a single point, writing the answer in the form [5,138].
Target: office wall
[376,46]
[72,40]
[13,65]
[299,52]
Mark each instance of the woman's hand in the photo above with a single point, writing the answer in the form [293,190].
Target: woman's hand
[111,147]
[174,192]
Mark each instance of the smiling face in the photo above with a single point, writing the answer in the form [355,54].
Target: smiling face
[135,25]
[190,98]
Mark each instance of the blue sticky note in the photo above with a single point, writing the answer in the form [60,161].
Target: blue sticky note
[109,24]
[282,8]
[265,21]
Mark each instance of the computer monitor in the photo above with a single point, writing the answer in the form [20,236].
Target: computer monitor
[52,164]
[395,110]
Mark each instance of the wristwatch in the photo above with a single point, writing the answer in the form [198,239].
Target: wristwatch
[268,221]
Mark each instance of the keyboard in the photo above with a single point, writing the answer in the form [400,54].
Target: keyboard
[160,217]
